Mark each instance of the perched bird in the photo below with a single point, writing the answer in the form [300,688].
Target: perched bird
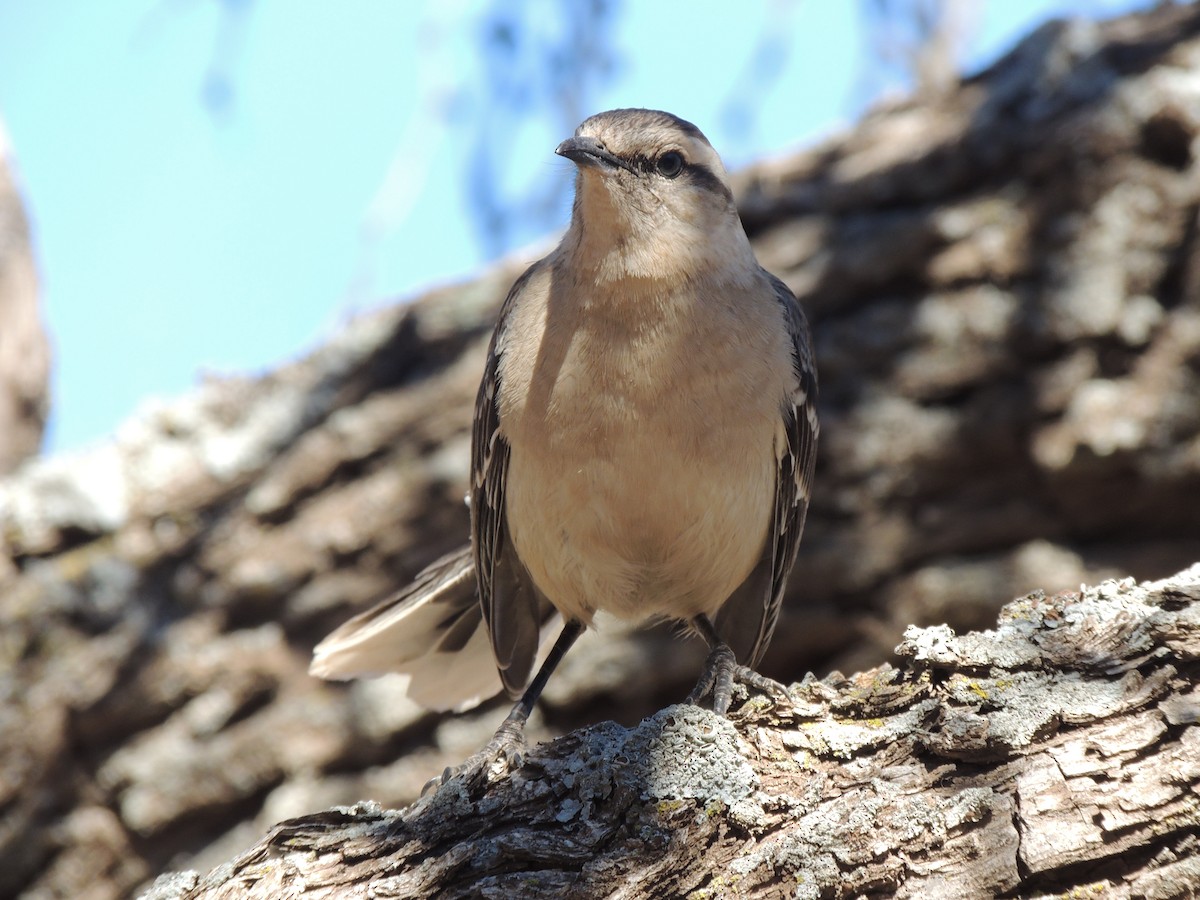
[643,443]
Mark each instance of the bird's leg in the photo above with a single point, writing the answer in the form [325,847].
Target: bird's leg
[508,743]
[722,670]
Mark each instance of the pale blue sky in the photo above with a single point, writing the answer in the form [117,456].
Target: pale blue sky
[173,240]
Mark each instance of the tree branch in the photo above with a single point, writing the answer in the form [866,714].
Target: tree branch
[1058,751]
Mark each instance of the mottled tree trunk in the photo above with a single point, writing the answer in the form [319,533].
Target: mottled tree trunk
[1059,752]
[24,346]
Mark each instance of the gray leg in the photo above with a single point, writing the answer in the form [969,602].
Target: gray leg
[508,743]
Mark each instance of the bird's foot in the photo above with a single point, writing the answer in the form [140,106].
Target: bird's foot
[506,747]
[720,673]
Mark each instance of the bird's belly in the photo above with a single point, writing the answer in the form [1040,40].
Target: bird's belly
[638,527]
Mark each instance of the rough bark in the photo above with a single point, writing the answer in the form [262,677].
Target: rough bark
[1005,286]
[24,346]
[1058,752]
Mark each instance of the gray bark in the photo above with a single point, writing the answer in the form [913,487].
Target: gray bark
[24,346]
[1058,752]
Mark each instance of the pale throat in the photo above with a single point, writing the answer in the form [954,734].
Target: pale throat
[623,243]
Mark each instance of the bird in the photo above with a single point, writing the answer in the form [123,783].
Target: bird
[643,445]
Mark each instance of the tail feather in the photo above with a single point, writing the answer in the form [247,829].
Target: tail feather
[431,631]
[404,632]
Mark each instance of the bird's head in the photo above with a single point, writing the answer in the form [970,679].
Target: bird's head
[651,197]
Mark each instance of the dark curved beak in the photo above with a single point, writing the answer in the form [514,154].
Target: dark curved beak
[587,151]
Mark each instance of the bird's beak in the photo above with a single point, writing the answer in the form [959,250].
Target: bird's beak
[587,151]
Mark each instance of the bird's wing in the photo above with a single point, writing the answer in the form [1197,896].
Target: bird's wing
[747,620]
[430,631]
[512,609]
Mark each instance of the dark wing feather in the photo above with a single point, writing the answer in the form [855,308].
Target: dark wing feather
[748,618]
[511,609]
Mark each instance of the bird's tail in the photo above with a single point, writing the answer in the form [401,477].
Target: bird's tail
[431,631]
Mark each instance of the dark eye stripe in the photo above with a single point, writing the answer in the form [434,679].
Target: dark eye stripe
[705,178]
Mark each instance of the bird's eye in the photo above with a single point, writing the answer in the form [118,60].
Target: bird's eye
[670,164]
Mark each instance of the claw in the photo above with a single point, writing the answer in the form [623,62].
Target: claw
[507,745]
[719,675]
